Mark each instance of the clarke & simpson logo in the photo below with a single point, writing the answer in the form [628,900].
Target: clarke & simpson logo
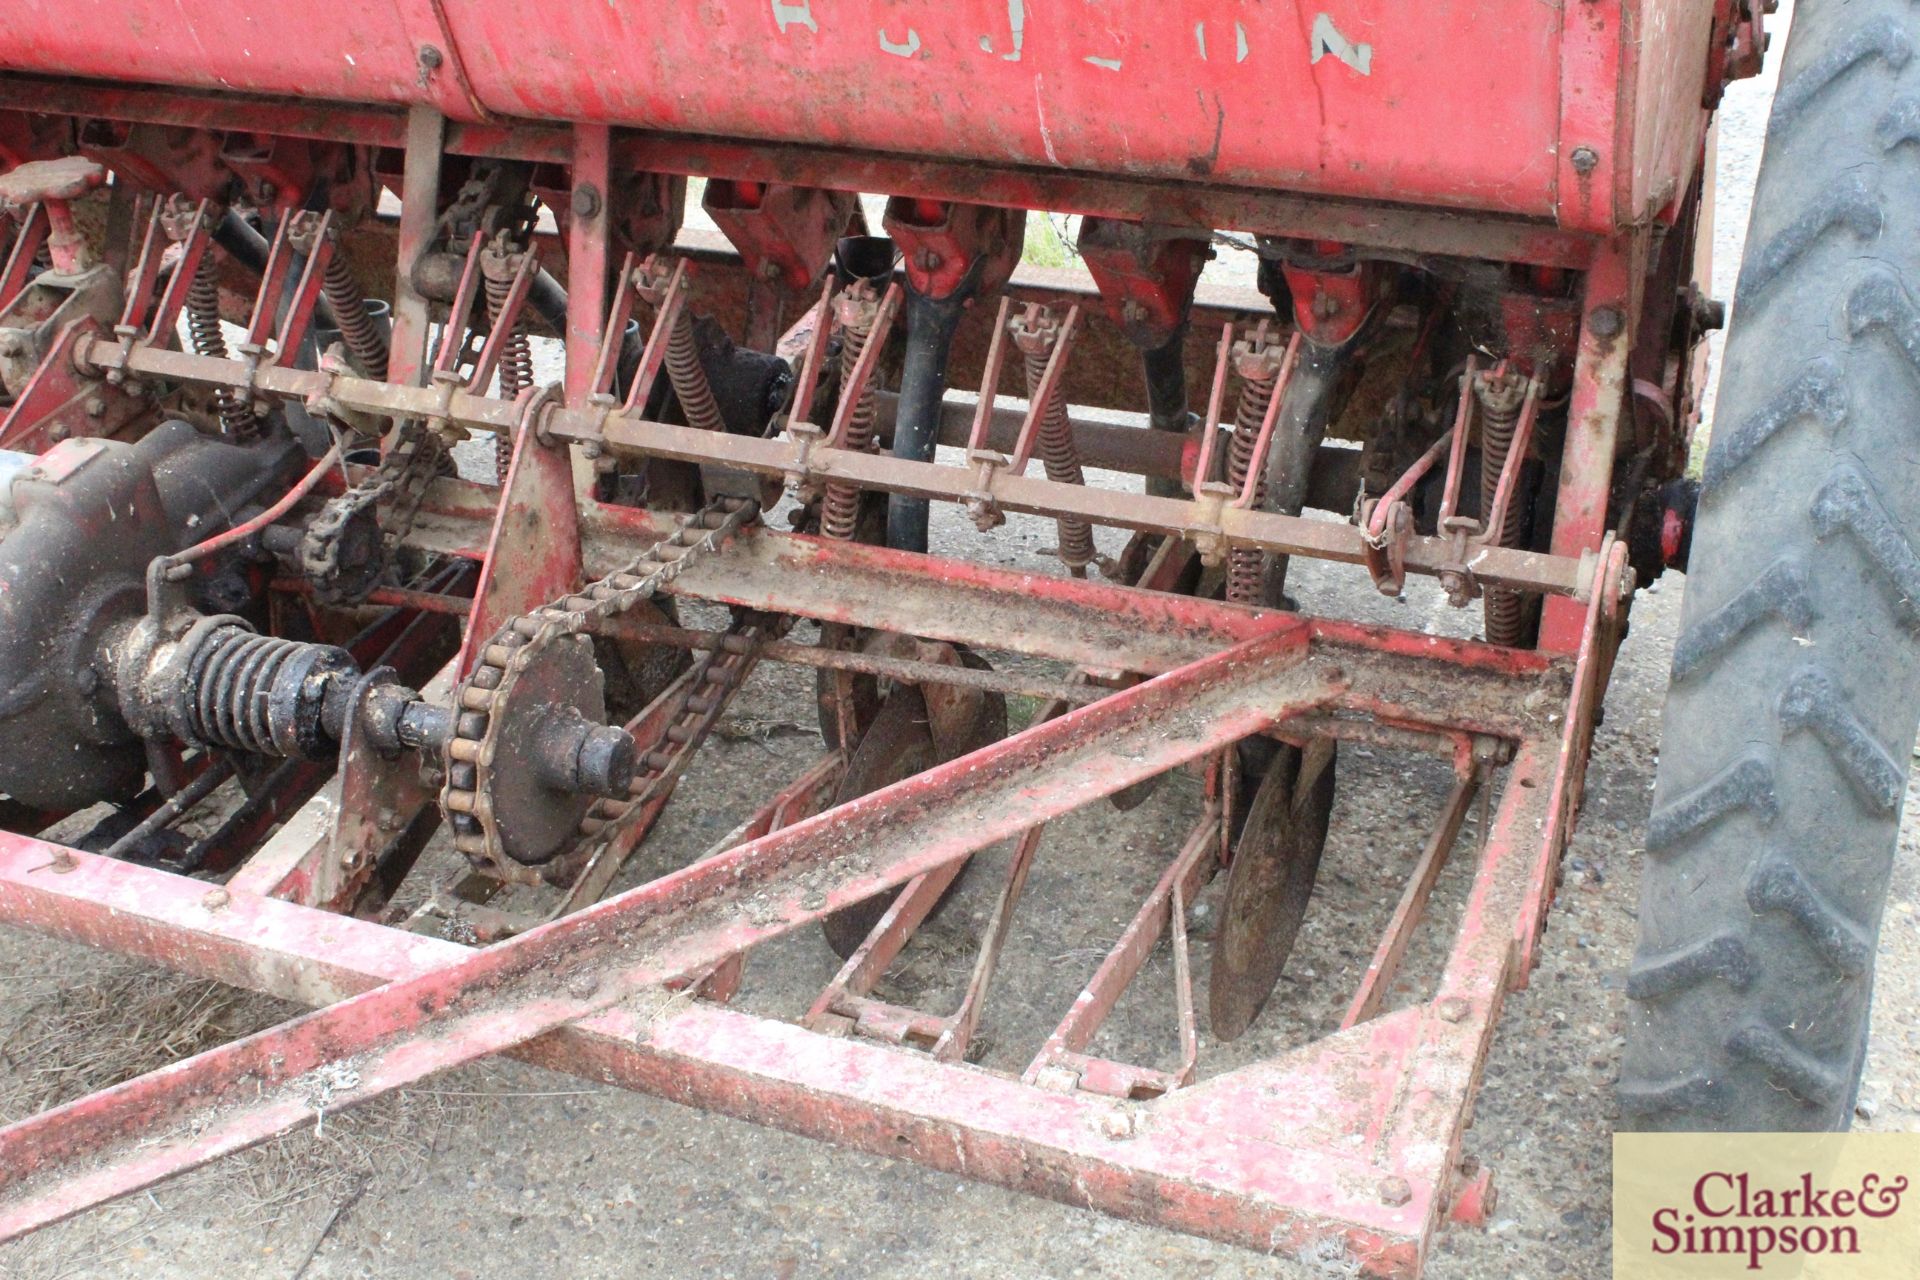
[1728,1215]
[1772,1205]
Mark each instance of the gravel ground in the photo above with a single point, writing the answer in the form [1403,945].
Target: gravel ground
[502,1170]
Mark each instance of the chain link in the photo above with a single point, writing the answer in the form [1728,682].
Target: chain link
[404,475]
[471,753]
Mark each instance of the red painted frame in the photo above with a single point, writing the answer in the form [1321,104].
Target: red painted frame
[1506,108]
[1215,1158]
[1571,134]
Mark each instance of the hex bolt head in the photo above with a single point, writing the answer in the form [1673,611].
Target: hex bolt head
[215,899]
[1607,322]
[1452,1009]
[431,57]
[1395,1191]
[586,200]
[1118,1124]
[607,762]
[1584,160]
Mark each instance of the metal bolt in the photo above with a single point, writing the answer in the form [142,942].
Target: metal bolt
[1118,1124]
[1607,322]
[586,200]
[583,986]
[216,899]
[1452,1009]
[59,431]
[96,406]
[431,57]
[388,819]
[1395,1191]
[1585,160]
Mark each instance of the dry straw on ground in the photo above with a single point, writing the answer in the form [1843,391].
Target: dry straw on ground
[109,1020]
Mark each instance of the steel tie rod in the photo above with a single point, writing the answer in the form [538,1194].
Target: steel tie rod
[190,1113]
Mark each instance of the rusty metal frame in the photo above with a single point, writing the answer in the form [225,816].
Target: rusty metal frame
[1402,1080]
[1344,1149]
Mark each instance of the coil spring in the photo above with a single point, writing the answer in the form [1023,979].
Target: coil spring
[203,310]
[840,507]
[1061,458]
[257,693]
[516,364]
[1246,566]
[203,328]
[357,328]
[1499,414]
[689,378]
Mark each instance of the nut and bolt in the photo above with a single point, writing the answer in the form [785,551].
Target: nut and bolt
[586,200]
[1119,1124]
[1452,1009]
[1585,160]
[1395,1191]
[216,899]
[1607,322]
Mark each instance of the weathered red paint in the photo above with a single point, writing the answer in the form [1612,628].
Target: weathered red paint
[102,1147]
[1362,1151]
[1473,106]
[1506,131]
[1610,310]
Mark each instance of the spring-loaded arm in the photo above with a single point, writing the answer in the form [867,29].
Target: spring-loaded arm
[361,333]
[1039,337]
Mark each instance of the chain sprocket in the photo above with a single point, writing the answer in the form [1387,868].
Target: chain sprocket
[346,549]
[474,754]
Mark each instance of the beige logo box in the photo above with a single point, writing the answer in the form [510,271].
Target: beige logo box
[1771,1205]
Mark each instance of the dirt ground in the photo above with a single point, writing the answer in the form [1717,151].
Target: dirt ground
[501,1170]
